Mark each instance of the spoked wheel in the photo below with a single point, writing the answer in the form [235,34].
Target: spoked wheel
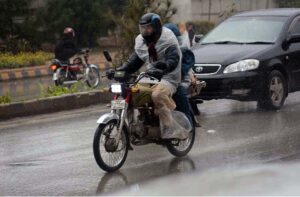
[180,148]
[93,77]
[109,153]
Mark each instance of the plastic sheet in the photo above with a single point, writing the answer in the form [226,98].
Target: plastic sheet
[179,128]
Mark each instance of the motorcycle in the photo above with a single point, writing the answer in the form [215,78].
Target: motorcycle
[128,125]
[79,69]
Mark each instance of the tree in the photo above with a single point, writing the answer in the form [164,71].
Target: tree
[86,17]
[127,23]
[288,3]
[230,11]
[14,17]
[12,14]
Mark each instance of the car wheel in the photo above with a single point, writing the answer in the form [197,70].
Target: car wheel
[274,91]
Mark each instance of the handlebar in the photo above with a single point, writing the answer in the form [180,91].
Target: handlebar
[131,76]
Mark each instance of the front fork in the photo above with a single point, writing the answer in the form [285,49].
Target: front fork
[121,122]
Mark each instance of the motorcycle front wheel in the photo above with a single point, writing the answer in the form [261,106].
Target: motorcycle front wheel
[181,148]
[109,154]
[93,77]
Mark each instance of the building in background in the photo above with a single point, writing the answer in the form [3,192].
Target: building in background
[211,10]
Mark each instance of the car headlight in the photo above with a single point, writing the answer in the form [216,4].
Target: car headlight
[241,66]
[116,88]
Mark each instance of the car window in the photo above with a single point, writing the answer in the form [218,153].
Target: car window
[247,30]
[295,28]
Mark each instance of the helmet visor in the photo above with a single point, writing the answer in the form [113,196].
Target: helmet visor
[146,30]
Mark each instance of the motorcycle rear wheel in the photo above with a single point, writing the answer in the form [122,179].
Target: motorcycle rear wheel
[110,155]
[181,148]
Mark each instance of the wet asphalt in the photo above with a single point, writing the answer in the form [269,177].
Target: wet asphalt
[52,154]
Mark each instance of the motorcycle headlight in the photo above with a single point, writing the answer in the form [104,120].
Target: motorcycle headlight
[241,66]
[116,88]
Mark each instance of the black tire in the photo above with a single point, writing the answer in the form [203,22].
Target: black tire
[173,146]
[274,91]
[96,147]
[93,78]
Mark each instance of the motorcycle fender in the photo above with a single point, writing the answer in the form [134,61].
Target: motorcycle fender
[55,76]
[104,119]
[94,66]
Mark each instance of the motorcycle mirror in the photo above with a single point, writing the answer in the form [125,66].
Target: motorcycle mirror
[107,56]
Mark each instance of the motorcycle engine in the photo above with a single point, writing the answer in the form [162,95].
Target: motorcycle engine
[141,131]
[138,130]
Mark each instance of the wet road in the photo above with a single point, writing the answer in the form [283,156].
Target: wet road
[52,154]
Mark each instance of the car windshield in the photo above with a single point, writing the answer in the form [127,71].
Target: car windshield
[246,30]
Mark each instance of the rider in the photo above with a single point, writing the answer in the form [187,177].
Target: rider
[66,48]
[188,78]
[158,47]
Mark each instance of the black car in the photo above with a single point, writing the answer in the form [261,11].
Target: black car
[251,56]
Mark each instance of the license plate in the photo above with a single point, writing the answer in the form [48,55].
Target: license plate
[118,104]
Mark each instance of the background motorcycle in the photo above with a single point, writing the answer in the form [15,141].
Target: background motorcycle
[79,69]
[128,125]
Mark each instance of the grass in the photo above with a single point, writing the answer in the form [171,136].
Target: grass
[6,98]
[9,61]
[54,90]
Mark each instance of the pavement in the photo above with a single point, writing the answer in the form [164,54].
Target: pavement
[275,179]
[26,89]
[239,150]
[54,104]
[25,86]
[31,72]
[27,97]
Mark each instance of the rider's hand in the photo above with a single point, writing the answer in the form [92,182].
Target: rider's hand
[110,74]
[156,73]
[160,65]
[121,67]
[193,79]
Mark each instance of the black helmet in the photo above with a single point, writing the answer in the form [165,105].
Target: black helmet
[150,27]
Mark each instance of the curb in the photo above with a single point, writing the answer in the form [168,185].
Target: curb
[53,104]
[31,72]
[22,73]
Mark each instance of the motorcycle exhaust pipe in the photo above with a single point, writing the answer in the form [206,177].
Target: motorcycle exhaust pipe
[69,82]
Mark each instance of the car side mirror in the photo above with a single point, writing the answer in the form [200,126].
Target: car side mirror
[293,38]
[107,56]
[198,37]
